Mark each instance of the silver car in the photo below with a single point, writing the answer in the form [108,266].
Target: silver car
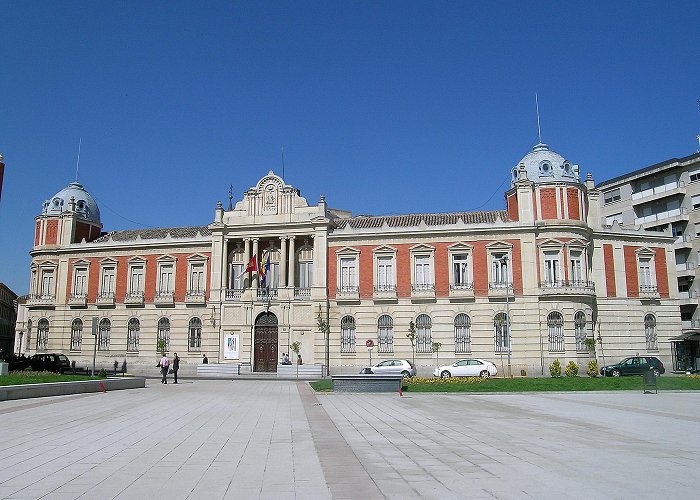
[394,367]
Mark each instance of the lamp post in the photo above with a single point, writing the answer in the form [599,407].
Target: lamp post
[504,261]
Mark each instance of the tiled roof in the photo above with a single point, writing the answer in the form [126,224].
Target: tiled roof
[412,220]
[155,233]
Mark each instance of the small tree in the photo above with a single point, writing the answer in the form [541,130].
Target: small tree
[571,369]
[555,369]
[436,349]
[160,346]
[296,347]
[592,369]
[589,342]
[412,337]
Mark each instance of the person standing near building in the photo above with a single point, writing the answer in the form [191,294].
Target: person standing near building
[176,367]
[299,361]
[164,364]
[205,360]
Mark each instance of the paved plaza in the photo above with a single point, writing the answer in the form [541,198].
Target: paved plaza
[250,439]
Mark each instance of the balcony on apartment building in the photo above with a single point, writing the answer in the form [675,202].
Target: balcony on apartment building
[655,193]
[500,289]
[648,292]
[567,288]
[685,268]
[195,297]
[105,299]
[41,300]
[672,215]
[683,241]
[690,324]
[134,298]
[462,291]
[423,291]
[77,300]
[384,292]
[688,297]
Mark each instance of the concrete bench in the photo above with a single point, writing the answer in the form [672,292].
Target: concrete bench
[304,371]
[366,383]
[219,370]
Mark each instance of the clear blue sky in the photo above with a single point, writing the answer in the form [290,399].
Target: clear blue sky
[383,107]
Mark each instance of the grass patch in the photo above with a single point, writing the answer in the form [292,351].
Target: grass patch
[476,385]
[18,378]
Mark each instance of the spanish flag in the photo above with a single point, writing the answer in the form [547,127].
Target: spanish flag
[264,270]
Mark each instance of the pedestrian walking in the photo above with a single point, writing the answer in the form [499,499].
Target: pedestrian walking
[299,361]
[205,360]
[176,367]
[164,364]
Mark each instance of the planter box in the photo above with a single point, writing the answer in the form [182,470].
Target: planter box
[367,383]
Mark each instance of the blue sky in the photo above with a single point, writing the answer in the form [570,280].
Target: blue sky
[383,107]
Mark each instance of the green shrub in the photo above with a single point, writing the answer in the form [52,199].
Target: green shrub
[555,369]
[571,369]
[592,369]
[102,373]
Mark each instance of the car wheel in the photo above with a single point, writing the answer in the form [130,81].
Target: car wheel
[484,374]
[445,374]
[616,373]
[405,374]
[657,373]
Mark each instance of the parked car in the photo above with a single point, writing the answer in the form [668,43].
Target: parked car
[393,367]
[634,365]
[50,362]
[472,367]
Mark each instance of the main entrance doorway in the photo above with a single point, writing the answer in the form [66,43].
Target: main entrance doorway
[266,343]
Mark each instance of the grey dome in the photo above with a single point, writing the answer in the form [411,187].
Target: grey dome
[85,204]
[544,165]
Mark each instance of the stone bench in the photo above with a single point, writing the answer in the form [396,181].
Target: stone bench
[219,370]
[366,383]
[304,371]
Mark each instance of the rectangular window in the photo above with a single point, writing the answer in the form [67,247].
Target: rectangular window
[107,281]
[551,268]
[347,339]
[499,269]
[197,279]
[165,280]
[609,219]
[348,276]
[460,270]
[695,176]
[612,196]
[423,276]
[47,283]
[306,274]
[385,273]
[236,277]
[136,279]
[80,282]
[696,201]
[576,276]
[646,282]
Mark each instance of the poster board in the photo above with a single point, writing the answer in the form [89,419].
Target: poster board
[231,346]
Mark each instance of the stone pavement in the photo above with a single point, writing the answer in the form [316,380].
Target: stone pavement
[256,439]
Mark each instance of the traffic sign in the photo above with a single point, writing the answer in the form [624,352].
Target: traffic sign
[369,344]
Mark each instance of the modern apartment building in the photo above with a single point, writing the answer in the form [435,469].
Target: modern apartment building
[665,197]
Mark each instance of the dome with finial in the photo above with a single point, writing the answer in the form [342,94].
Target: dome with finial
[544,165]
[85,205]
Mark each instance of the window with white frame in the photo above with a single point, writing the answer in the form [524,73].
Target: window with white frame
[163,333]
[612,196]
[166,278]
[348,274]
[552,275]
[76,334]
[422,273]
[463,336]
[500,272]
[501,335]
[650,332]
[194,335]
[461,274]
[386,273]
[107,280]
[103,334]
[424,338]
[272,274]
[136,279]
[42,334]
[647,281]
[580,331]
[197,278]
[80,281]
[385,333]
[347,334]
[305,274]
[235,269]
[555,332]
[609,219]
[47,283]
[132,335]
[577,276]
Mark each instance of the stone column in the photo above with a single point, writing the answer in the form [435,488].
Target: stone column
[246,258]
[257,257]
[283,261]
[291,261]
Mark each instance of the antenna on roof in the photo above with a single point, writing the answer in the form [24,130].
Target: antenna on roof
[77,164]
[698,136]
[539,132]
[230,197]
[282,162]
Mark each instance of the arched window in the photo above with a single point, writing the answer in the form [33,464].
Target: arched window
[195,335]
[132,335]
[103,335]
[385,333]
[463,334]
[555,332]
[424,338]
[42,334]
[580,331]
[347,334]
[501,335]
[163,333]
[650,332]
[76,334]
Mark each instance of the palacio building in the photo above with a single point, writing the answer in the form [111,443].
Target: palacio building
[529,283]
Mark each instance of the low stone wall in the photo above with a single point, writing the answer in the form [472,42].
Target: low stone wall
[301,371]
[63,388]
[218,370]
[366,383]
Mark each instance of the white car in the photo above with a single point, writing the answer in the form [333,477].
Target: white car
[472,367]
[394,367]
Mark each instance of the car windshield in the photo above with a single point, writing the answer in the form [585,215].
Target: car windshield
[62,357]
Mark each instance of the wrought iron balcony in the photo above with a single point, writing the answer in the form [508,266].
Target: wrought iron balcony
[347,293]
[234,293]
[105,299]
[41,300]
[423,291]
[567,287]
[164,298]
[302,293]
[500,289]
[648,292]
[77,300]
[134,298]
[267,294]
[461,290]
[385,292]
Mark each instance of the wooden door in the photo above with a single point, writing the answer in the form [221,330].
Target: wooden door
[266,349]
